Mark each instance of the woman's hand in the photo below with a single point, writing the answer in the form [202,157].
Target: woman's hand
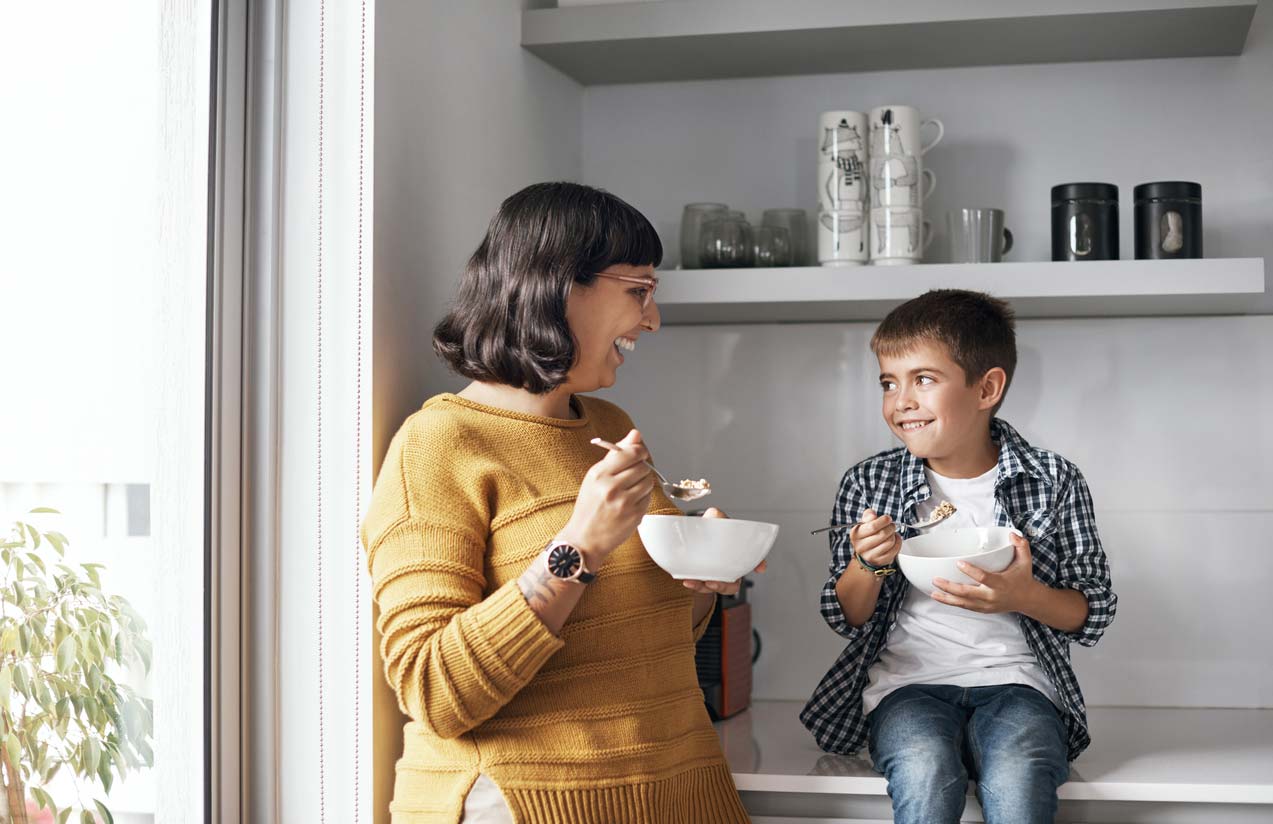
[718,587]
[875,538]
[614,496]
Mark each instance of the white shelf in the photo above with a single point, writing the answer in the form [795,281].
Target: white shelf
[1215,286]
[1138,754]
[704,39]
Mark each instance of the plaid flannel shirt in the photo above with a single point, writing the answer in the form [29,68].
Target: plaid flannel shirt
[1038,492]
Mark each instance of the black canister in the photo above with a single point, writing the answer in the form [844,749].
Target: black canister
[1085,221]
[1168,220]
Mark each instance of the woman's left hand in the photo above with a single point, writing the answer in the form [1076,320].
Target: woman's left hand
[718,587]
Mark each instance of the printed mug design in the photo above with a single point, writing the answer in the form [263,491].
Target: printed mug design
[844,226]
[887,223]
[886,135]
[843,146]
[844,183]
[896,172]
[841,140]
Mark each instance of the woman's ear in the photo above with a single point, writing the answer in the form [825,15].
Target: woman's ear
[993,384]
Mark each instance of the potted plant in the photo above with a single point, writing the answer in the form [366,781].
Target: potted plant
[64,642]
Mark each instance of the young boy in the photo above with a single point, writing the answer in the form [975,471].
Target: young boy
[974,681]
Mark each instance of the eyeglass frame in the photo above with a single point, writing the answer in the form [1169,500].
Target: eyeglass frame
[653,283]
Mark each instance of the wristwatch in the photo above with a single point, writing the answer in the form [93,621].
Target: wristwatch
[566,563]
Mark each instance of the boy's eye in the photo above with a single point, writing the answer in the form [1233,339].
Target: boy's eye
[641,292]
[924,379]
[887,386]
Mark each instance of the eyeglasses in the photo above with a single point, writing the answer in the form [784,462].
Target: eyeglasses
[651,283]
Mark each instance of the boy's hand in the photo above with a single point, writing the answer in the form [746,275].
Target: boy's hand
[875,538]
[1007,591]
[718,587]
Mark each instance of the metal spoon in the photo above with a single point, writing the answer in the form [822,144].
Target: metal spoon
[675,491]
[938,516]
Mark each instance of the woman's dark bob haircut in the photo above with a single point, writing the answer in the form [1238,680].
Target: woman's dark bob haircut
[508,324]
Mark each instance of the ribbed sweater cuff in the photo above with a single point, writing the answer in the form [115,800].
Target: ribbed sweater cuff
[512,635]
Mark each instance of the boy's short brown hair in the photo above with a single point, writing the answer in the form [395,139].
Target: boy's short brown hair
[978,331]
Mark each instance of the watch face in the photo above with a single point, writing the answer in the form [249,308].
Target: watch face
[564,560]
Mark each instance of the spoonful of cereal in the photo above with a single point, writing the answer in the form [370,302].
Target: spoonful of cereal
[943,511]
[687,490]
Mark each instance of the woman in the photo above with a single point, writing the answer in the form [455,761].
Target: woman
[546,663]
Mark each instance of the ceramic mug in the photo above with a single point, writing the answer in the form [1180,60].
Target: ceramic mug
[977,235]
[895,181]
[895,131]
[842,237]
[840,185]
[898,235]
[842,143]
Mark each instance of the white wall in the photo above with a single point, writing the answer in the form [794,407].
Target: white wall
[1163,415]
[464,119]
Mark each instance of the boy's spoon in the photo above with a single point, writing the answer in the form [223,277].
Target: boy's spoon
[943,511]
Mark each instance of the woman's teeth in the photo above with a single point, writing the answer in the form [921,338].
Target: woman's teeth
[625,343]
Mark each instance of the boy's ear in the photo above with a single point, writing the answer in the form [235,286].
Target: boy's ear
[992,385]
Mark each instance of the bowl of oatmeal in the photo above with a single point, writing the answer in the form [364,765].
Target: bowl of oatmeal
[706,549]
[937,554]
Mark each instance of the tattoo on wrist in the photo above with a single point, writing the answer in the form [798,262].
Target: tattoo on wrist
[537,584]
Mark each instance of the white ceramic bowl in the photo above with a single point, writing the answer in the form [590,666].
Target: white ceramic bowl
[936,554]
[706,549]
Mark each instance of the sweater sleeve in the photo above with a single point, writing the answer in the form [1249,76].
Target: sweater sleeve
[1084,566]
[452,654]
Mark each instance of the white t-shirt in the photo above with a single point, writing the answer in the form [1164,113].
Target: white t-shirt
[936,643]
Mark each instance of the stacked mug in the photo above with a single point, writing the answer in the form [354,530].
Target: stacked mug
[842,189]
[899,184]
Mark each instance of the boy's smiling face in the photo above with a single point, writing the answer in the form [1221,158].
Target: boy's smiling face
[929,405]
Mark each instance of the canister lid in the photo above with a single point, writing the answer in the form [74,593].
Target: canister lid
[1167,189]
[1085,191]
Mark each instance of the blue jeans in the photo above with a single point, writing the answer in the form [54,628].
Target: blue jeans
[928,740]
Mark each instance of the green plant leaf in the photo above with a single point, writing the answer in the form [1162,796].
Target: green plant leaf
[35,535]
[62,816]
[20,680]
[44,510]
[94,573]
[105,813]
[43,798]
[58,540]
[104,773]
[6,688]
[86,817]
[38,561]
[66,654]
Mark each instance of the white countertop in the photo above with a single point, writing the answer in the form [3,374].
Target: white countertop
[1137,754]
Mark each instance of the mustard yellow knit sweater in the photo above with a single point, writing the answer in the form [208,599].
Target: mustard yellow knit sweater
[603,724]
